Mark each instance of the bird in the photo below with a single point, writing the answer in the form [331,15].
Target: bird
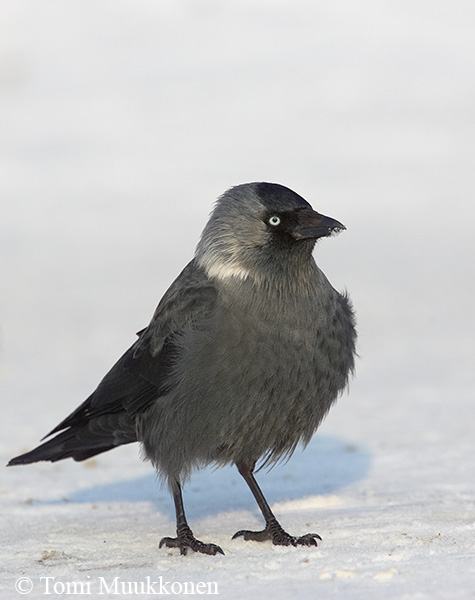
[243,357]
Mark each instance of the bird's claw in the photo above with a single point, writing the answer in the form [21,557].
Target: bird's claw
[309,539]
[188,541]
[278,536]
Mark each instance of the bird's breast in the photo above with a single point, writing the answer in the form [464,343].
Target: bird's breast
[253,382]
[252,363]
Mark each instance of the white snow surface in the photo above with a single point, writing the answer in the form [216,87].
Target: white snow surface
[121,121]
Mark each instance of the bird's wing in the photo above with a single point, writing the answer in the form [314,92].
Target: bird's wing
[141,375]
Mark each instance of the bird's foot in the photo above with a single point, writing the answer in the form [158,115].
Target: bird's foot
[186,540]
[278,536]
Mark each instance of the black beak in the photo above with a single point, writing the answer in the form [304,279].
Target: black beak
[313,225]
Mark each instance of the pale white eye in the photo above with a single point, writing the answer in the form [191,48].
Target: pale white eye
[274,221]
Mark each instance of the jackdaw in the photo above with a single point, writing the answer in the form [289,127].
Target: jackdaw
[244,356]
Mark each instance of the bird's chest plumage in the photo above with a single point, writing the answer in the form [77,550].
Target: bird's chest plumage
[263,349]
[265,374]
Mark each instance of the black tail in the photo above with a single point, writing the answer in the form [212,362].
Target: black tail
[106,419]
[80,442]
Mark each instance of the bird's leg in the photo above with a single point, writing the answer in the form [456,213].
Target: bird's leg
[185,538]
[273,530]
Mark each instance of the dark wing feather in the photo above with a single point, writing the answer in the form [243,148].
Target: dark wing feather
[107,418]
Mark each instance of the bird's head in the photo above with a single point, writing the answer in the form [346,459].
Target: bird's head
[256,227]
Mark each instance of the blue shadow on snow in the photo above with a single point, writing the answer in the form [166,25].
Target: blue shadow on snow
[325,466]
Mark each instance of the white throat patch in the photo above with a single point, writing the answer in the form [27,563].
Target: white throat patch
[224,270]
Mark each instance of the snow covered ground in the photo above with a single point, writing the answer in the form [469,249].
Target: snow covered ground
[121,122]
